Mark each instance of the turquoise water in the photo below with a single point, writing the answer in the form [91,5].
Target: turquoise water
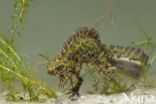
[50,22]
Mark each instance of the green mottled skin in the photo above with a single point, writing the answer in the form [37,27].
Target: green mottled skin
[85,47]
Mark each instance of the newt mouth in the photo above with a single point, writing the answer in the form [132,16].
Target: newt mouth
[52,73]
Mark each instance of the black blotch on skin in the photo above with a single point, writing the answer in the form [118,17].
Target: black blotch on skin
[73,57]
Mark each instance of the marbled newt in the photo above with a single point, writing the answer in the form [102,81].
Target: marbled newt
[85,47]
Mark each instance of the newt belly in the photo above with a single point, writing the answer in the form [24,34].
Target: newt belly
[85,47]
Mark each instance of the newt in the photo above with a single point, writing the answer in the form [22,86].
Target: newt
[85,47]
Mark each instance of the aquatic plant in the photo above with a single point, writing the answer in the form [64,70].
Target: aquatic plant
[14,74]
[105,18]
[150,46]
[13,70]
[21,9]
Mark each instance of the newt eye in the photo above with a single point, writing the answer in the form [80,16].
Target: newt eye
[59,67]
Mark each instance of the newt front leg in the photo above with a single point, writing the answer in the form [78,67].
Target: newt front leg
[75,90]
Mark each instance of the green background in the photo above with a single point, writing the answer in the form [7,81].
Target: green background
[50,22]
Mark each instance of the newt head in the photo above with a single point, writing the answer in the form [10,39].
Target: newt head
[60,66]
[54,67]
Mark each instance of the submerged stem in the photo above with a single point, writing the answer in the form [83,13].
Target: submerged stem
[17,74]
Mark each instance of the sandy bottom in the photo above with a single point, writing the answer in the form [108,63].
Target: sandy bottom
[137,96]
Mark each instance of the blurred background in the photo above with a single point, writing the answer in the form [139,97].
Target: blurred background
[50,22]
